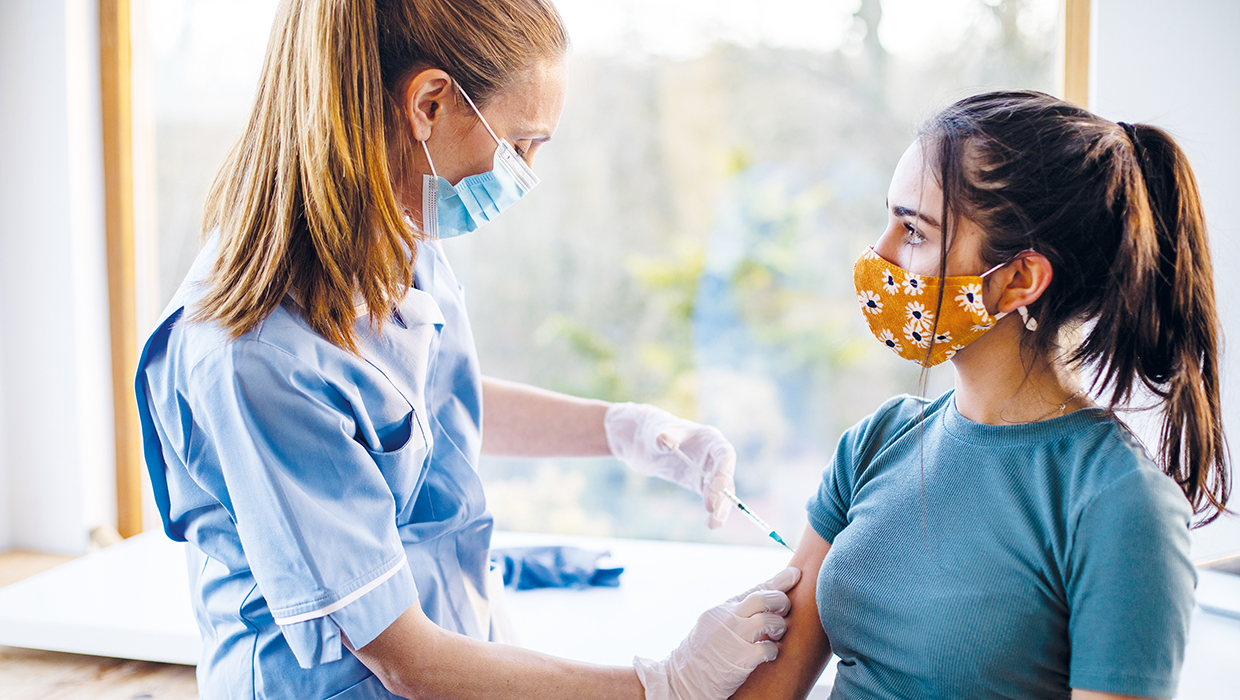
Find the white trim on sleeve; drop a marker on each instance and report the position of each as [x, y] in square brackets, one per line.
[338, 605]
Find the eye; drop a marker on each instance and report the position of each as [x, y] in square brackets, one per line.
[913, 237]
[523, 150]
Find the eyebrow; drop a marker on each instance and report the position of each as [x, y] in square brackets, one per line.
[905, 211]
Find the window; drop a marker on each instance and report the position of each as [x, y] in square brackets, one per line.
[716, 172]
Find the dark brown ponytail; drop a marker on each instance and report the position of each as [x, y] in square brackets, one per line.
[1115, 209]
[1175, 349]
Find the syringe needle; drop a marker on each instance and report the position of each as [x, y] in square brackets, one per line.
[753, 517]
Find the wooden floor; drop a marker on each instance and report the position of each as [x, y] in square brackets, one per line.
[28, 674]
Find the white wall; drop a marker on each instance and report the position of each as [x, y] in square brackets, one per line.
[1176, 64]
[56, 450]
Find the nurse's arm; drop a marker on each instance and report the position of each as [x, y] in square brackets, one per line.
[519, 420]
[805, 649]
[414, 658]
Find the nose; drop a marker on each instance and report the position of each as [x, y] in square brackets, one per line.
[888, 245]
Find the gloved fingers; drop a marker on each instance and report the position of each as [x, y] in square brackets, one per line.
[775, 627]
[718, 506]
[763, 626]
[760, 627]
[783, 581]
[719, 510]
[720, 468]
[716, 458]
[767, 651]
[763, 601]
[671, 437]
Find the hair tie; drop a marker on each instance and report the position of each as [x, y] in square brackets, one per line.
[1131, 130]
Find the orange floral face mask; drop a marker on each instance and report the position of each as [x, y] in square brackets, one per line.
[900, 308]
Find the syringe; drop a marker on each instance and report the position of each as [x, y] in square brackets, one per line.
[770, 531]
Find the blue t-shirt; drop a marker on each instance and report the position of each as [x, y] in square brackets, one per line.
[983, 561]
[324, 493]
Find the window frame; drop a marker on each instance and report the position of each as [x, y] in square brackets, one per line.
[116, 71]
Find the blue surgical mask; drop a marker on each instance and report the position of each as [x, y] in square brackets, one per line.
[449, 211]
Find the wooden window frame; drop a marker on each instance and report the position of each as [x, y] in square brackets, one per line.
[1076, 17]
[115, 74]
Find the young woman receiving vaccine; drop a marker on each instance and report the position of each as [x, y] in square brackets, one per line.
[312, 406]
[1011, 538]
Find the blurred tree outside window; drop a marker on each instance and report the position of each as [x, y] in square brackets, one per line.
[717, 170]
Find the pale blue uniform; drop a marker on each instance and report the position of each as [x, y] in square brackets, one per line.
[323, 492]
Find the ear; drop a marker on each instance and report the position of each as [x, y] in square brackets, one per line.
[427, 95]
[1023, 281]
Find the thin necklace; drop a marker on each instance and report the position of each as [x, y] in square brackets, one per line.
[1058, 409]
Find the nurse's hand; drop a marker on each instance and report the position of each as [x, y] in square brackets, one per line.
[726, 644]
[645, 437]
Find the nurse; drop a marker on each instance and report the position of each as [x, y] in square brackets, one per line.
[311, 401]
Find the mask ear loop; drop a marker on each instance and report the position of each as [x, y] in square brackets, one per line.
[430, 162]
[1030, 322]
[430, 197]
[478, 112]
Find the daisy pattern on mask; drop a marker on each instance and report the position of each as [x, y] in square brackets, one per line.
[886, 338]
[869, 254]
[942, 338]
[870, 302]
[916, 334]
[890, 285]
[970, 299]
[913, 284]
[952, 352]
[917, 313]
[982, 327]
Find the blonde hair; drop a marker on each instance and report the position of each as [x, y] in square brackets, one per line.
[307, 199]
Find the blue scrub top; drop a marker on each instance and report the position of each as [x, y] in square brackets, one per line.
[323, 492]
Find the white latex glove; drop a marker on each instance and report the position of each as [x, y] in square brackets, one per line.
[724, 646]
[644, 437]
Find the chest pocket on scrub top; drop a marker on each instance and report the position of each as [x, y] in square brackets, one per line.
[401, 354]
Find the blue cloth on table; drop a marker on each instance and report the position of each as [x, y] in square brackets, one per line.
[554, 567]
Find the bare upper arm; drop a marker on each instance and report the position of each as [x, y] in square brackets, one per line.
[804, 650]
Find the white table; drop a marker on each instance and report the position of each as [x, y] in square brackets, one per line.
[131, 600]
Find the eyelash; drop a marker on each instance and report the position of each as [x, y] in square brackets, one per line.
[915, 237]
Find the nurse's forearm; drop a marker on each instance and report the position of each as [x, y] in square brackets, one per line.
[416, 659]
[519, 420]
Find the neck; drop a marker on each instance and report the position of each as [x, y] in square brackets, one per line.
[999, 383]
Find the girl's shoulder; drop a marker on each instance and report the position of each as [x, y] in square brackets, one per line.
[1114, 470]
[895, 416]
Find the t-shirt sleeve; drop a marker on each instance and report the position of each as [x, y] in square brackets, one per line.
[314, 514]
[828, 508]
[1130, 587]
